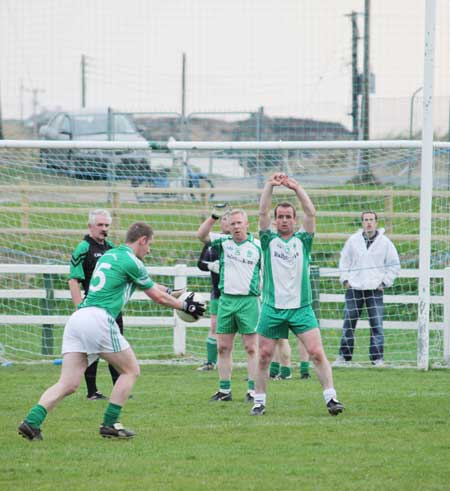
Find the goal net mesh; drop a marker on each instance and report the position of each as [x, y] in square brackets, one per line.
[46, 194]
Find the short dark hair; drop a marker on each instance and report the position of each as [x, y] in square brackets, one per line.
[138, 230]
[369, 212]
[284, 204]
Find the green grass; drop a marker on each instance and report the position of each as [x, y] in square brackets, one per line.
[393, 435]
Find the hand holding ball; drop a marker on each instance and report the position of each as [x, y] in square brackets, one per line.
[193, 307]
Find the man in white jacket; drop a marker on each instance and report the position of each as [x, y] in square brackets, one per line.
[369, 263]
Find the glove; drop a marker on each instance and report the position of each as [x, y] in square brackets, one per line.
[219, 210]
[213, 266]
[175, 293]
[190, 306]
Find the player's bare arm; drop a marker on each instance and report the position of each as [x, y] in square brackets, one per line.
[189, 305]
[266, 199]
[309, 210]
[205, 228]
[173, 293]
[219, 210]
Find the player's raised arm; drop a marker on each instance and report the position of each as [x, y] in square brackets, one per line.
[205, 228]
[219, 210]
[266, 199]
[309, 210]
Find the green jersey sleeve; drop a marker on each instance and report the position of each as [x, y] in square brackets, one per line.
[76, 262]
[217, 244]
[307, 240]
[265, 236]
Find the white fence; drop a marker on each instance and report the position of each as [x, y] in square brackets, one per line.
[179, 275]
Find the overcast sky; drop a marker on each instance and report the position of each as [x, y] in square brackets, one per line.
[290, 56]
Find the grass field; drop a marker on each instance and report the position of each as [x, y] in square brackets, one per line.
[394, 434]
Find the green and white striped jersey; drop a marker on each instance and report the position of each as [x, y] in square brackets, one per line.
[117, 274]
[286, 283]
[240, 265]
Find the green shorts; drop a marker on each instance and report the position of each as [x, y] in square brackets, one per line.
[237, 313]
[213, 306]
[275, 323]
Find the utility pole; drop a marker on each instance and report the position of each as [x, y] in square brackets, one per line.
[366, 73]
[183, 97]
[183, 85]
[83, 81]
[356, 86]
[364, 173]
[21, 95]
[34, 104]
[259, 133]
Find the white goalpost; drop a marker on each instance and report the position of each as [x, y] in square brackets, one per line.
[426, 188]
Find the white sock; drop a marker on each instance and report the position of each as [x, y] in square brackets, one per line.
[260, 399]
[329, 394]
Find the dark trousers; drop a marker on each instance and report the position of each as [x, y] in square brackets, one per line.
[90, 375]
[354, 302]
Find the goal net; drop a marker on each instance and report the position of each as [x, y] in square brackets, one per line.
[48, 188]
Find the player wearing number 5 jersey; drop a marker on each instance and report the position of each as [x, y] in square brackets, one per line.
[92, 332]
[82, 265]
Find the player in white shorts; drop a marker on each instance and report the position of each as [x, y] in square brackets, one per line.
[92, 331]
[287, 295]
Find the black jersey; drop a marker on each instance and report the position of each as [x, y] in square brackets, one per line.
[84, 259]
[210, 254]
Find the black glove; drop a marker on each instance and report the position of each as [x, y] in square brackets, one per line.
[190, 306]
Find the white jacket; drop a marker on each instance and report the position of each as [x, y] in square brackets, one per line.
[366, 269]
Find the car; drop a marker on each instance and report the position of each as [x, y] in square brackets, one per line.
[38, 120]
[94, 164]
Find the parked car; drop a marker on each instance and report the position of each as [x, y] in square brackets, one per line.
[94, 164]
[38, 120]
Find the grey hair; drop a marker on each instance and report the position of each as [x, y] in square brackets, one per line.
[235, 211]
[93, 214]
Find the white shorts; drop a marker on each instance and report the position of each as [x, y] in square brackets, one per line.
[92, 331]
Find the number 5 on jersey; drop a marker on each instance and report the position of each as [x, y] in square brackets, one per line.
[100, 276]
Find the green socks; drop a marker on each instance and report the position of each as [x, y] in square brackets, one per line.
[36, 416]
[286, 372]
[278, 370]
[211, 350]
[304, 367]
[112, 414]
[274, 369]
[251, 385]
[225, 386]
